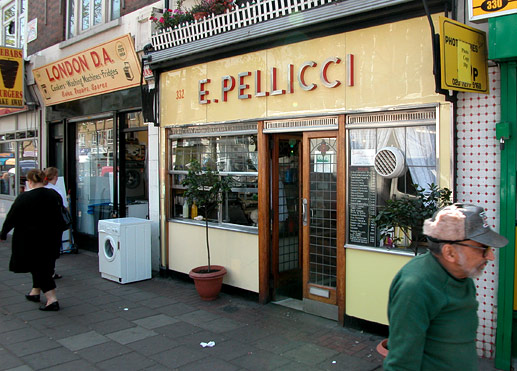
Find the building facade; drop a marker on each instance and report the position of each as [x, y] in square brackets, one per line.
[296, 114]
[83, 67]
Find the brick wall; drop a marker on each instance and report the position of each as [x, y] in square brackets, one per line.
[132, 5]
[50, 30]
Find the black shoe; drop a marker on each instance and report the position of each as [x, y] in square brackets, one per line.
[57, 276]
[54, 307]
[34, 298]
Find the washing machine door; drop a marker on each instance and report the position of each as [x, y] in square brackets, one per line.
[109, 248]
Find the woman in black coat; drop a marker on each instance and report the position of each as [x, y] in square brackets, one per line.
[36, 218]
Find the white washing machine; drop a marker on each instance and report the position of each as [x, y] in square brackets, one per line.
[125, 249]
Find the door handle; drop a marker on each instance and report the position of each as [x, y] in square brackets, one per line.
[304, 211]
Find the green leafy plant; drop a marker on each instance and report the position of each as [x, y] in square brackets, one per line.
[409, 212]
[204, 187]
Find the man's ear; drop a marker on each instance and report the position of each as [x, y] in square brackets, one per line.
[449, 253]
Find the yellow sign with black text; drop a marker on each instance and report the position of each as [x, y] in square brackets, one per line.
[463, 56]
[105, 68]
[483, 9]
[11, 70]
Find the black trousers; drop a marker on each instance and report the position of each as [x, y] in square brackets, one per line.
[42, 277]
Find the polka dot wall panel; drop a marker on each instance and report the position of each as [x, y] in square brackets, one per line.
[477, 178]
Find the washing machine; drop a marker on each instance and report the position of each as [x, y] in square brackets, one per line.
[125, 249]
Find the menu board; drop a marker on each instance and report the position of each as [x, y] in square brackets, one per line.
[362, 199]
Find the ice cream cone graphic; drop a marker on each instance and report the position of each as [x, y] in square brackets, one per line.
[9, 70]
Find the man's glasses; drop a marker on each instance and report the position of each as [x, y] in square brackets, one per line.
[486, 249]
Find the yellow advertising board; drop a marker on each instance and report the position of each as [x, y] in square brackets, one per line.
[102, 69]
[464, 58]
[483, 9]
[11, 70]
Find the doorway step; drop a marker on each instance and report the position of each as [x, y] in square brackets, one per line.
[290, 303]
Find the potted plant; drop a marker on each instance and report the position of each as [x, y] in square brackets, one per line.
[408, 213]
[204, 188]
[171, 17]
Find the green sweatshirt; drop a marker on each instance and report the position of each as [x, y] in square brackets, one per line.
[433, 319]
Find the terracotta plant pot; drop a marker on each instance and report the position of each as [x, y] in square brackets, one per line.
[200, 15]
[382, 348]
[208, 285]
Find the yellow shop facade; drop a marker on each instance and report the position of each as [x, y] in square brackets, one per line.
[299, 126]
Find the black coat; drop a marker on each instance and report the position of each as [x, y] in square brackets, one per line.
[36, 218]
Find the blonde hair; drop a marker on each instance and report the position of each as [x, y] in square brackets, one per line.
[36, 176]
[51, 173]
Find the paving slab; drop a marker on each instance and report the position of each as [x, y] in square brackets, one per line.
[261, 360]
[178, 329]
[81, 341]
[156, 321]
[103, 352]
[8, 361]
[130, 335]
[21, 334]
[111, 325]
[212, 364]
[127, 362]
[310, 354]
[50, 358]
[32, 346]
[177, 357]
[152, 345]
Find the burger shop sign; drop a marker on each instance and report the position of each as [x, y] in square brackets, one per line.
[280, 84]
[105, 68]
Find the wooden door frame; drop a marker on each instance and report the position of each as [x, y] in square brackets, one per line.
[275, 178]
[264, 235]
[307, 136]
[264, 215]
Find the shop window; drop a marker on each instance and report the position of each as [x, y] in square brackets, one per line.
[84, 15]
[413, 141]
[232, 156]
[16, 159]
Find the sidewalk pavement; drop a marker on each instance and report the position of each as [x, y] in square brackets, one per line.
[159, 324]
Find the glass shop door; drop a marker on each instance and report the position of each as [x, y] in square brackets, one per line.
[93, 199]
[319, 226]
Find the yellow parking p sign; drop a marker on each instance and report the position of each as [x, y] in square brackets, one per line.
[463, 55]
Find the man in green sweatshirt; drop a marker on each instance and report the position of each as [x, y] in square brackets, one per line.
[432, 307]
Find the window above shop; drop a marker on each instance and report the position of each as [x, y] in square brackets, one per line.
[85, 15]
[234, 156]
[13, 23]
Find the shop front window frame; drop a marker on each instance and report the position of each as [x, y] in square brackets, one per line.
[415, 134]
[213, 150]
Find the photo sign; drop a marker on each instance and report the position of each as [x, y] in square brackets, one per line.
[11, 70]
[102, 69]
[464, 57]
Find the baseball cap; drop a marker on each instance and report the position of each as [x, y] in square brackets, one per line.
[460, 222]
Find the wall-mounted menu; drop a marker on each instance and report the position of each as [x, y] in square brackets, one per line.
[362, 199]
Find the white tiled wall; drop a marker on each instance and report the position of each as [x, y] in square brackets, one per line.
[478, 171]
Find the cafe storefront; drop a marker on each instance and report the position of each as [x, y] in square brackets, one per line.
[96, 133]
[297, 126]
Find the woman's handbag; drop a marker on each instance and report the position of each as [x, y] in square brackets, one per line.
[67, 218]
